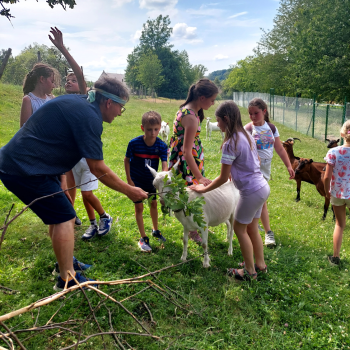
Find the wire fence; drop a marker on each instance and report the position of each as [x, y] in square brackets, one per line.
[318, 120]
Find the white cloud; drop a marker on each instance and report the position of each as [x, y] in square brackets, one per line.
[220, 57]
[183, 31]
[238, 14]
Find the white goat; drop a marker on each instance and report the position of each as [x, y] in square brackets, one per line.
[164, 131]
[219, 207]
[213, 127]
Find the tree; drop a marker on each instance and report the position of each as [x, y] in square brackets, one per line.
[156, 34]
[131, 71]
[199, 71]
[149, 71]
[6, 11]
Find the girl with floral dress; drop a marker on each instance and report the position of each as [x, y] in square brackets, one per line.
[185, 144]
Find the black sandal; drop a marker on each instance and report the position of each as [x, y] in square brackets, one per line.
[246, 276]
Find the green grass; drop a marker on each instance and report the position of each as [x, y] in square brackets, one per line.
[301, 303]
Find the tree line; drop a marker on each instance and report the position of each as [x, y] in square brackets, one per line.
[154, 64]
[306, 53]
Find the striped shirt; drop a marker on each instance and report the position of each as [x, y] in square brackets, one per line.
[55, 138]
[141, 155]
[37, 101]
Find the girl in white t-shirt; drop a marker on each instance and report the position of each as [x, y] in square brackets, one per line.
[266, 137]
[337, 187]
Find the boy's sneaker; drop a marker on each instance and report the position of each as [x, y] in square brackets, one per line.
[157, 234]
[81, 279]
[77, 221]
[90, 232]
[105, 225]
[144, 244]
[270, 239]
[78, 266]
[335, 261]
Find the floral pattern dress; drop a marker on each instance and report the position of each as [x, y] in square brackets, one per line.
[176, 148]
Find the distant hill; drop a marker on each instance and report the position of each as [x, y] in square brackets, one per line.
[221, 74]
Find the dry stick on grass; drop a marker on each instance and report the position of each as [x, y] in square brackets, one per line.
[112, 329]
[6, 224]
[91, 309]
[13, 336]
[149, 312]
[5, 339]
[9, 289]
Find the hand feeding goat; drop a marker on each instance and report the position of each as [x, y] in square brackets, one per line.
[300, 176]
[164, 131]
[307, 166]
[219, 207]
[213, 127]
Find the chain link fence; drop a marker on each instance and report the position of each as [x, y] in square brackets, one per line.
[321, 121]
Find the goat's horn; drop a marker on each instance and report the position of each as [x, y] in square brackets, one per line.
[176, 164]
[153, 172]
[295, 138]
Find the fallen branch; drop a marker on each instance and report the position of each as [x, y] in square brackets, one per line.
[11, 334]
[9, 289]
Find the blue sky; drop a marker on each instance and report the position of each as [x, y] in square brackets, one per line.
[100, 34]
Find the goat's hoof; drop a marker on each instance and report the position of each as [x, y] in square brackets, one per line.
[206, 265]
[183, 258]
[230, 253]
[297, 200]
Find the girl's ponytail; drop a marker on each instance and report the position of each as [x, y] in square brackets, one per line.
[39, 70]
[203, 87]
[258, 102]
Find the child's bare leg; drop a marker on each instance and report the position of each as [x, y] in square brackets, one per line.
[340, 217]
[265, 220]
[246, 246]
[71, 183]
[154, 214]
[89, 209]
[139, 218]
[257, 242]
[93, 201]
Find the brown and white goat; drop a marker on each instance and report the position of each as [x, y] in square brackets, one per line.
[294, 161]
[307, 166]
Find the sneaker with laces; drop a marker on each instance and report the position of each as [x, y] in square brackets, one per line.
[270, 239]
[195, 236]
[77, 221]
[157, 234]
[81, 279]
[78, 266]
[335, 261]
[105, 225]
[144, 244]
[90, 232]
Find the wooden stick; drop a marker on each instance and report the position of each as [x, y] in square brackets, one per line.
[13, 336]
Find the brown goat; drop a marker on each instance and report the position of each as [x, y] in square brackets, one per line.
[332, 143]
[307, 166]
[294, 161]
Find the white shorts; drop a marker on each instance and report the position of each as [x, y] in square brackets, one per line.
[82, 174]
[338, 202]
[265, 168]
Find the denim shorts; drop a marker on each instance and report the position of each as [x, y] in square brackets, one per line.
[52, 210]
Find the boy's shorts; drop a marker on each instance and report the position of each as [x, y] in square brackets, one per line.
[150, 189]
[52, 210]
[82, 174]
[338, 202]
[265, 168]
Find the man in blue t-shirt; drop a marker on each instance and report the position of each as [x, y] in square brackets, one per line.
[51, 142]
[146, 150]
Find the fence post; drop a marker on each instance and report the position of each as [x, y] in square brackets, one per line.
[326, 130]
[343, 118]
[273, 104]
[284, 105]
[270, 100]
[313, 116]
[296, 111]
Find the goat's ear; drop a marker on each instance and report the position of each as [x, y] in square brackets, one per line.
[176, 165]
[338, 140]
[311, 160]
[153, 172]
[327, 140]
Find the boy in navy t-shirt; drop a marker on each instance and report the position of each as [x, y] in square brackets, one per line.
[146, 150]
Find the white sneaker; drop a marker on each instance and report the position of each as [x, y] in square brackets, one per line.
[270, 239]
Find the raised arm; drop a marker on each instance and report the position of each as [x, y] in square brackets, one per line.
[57, 40]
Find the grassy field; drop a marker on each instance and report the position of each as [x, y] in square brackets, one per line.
[302, 303]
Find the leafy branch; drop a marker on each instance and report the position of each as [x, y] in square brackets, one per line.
[177, 199]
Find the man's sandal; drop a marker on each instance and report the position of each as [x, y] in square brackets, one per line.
[246, 276]
[257, 269]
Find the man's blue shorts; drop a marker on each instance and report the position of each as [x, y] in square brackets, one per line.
[52, 210]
